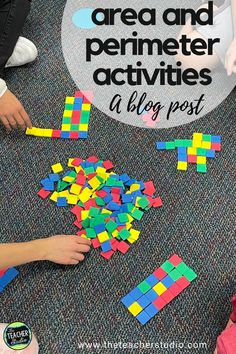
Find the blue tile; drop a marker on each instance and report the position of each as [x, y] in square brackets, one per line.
[99, 228]
[167, 281]
[152, 280]
[210, 154]
[106, 246]
[136, 293]
[151, 295]
[54, 177]
[127, 300]
[216, 139]
[144, 301]
[61, 201]
[7, 278]
[151, 310]
[161, 146]
[143, 317]
[65, 135]
[83, 135]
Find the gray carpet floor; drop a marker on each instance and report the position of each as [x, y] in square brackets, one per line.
[66, 306]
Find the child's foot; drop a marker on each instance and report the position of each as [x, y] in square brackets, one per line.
[25, 52]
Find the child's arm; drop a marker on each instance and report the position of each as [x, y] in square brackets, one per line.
[61, 249]
[230, 58]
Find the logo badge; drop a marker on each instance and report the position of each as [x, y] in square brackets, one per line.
[17, 336]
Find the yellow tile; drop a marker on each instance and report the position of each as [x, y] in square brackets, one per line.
[68, 179]
[130, 218]
[69, 164]
[134, 187]
[84, 214]
[192, 151]
[72, 199]
[65, 127]
[201, 160]
[75, 189]
[63, 194]
[131, 240]
[197, 143]
[134, 234]
[54, 196]
[57, 167]
[135, 309]
[67, 114]
[103, 236]
[47, 133]
[197, 136]
[86, 107]
[30, 131]
[94, 182]
[206, 145]
[100, 170]
[106, 211]
[70, 100]
[83, 127]
[85, 195]
[182, 166]
[159, 288]
[115, 233]
[40, 132]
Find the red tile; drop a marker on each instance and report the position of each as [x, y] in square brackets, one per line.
[2, 272]
[56, 133]
[76, 114]
[77, 161]
[216, 146]
[159, 303]
[183, 283]
[160, 273]
[175, 260]
[192, 159]
[175, 289]
[43, 194]
[74, 135]
[123, 247]
[167, 296]
[107, 255]
[95, 243]
[93, 159]
[108, 164]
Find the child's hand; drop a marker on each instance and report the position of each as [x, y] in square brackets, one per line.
[230, 59]
[12, 113]
[63, 249]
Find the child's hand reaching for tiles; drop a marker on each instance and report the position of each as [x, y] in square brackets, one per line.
[67, 250]
[12, 113]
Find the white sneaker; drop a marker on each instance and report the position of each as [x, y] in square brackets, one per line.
[24, 52]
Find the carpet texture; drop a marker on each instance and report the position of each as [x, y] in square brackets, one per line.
[66, 306]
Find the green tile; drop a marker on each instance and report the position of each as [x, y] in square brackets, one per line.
[201, 152]
[90, 233]
[99, 201]
[74, 127]
[144, 287]
[201, 168]
[111, 226]
[187, 143]
[175, 275]
[94, 211]
[66, 120]
[190, 275]
[182, 268]
[167, 266]
[206, 137]
[84, 114]
[143, 202]
[123, 217]
[69, 107]
[137, 214]
[124, 234]
[84, 120]
[170, 145]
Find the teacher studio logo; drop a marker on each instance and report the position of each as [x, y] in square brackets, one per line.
[17, 336]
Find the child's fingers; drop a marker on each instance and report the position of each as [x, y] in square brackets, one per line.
[83, 248]
[230, 64]
[6, 123]
[20, 121]
[83, 241]
[12, 122]
[78, 257]
[73, 262]
[26, 118]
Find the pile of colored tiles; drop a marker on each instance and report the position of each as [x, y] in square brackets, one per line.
[158, 289]
[105, 203]
[6, 277]
[75, 119]
[195, 151]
